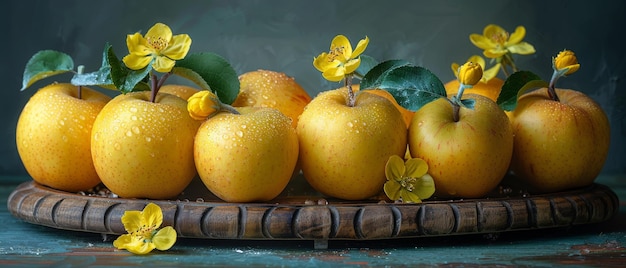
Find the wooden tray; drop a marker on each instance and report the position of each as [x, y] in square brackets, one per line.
[311, 217]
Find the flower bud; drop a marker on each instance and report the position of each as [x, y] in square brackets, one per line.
[566, 59]
[470, 73]
[202, 104]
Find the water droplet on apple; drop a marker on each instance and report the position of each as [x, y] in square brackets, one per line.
[350, 124]
[129, 133]
[265, 97]
[244, 126]
[135, 130]
[133, 109]
[61, 122]
[148, 139]
[239, 133]
[134, 118]
[117, 146]
[64, 138]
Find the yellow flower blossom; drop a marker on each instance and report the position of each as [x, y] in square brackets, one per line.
[158, 45]
[470, 73]
[202, 104]
[496, 42]
[341, 60]
[144, 233]
[488, 74]
[408, 181]
[566, 59]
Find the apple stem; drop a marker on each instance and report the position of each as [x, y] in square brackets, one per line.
[155, 85]
[351, 97]
[551, 91]
[456, 109]
[80, 70]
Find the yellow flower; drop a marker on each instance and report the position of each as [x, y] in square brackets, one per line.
[158, 44]
[341, 59]
[202, 104]
[470, 73]
[408, 180]
[566, 59]
[496, 42]
[487, 74]
[143, 230]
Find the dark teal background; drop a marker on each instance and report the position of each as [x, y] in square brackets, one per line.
[285, 36]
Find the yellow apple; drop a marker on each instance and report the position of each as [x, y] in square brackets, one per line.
[407, 115]
[263, 88]
[491, 89]
[246, 157]
[559, 145]
[343, 149]
[143, 149]
[181, 91]
[466, 158]
[53, 136]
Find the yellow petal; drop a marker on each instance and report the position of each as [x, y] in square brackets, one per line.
[360, 47]
[455, 69]
[415, 168]
[481, 41]
[134, 62]
[178, 47]
[352, 65]
[160, 31]
[522, 48]
[137, 45]
[334, 74]
[165, 238]
[163, 64]
[492, 30]
[517, 36]
[491, 73]
[494, 53]
[424, 187]
[132, 220]
[394, 169]
[343, 44]
[323, 63]
[478, 59]
[409, 197]
[392, 189]
[134, 244]
[153, 215]
[470, 73]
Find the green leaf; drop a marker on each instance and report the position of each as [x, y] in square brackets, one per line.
[125, 79]
[101, 77]
[411, 86]
[516, 85]
[44, 64]
[214, 70]
[191, 75]
[367, 63]
[374, 76]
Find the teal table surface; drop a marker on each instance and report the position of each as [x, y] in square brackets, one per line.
[591, 245]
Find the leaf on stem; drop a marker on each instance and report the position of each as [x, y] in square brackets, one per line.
[515, 86]
[411, 86]
[210, 71]
[44, 64]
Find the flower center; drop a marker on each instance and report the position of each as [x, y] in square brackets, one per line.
[408, 183]
[157, 42]
[500, 37]
[335, 52]
[145, 232]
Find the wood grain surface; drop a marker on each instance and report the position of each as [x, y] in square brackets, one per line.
[295, 218]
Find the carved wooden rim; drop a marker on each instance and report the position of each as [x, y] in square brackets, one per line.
[40, 205]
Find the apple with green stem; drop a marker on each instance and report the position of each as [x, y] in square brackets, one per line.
[54, 128]
[562, 136]
[467, 141]
[345, 137]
